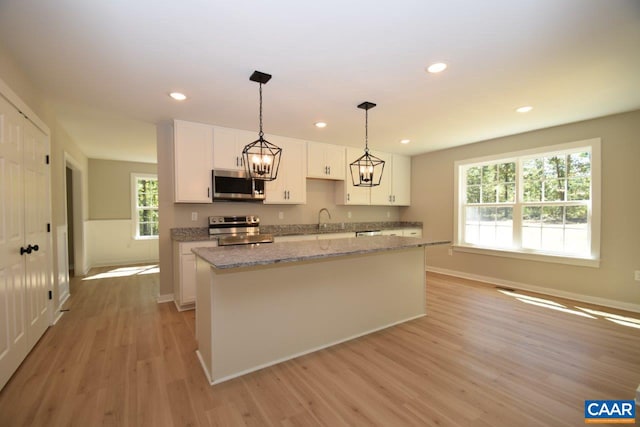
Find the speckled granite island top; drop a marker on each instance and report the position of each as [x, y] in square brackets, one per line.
[271, 253]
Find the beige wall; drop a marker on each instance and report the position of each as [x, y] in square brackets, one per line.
[13, 76]
[432, 196]
[320, 194]
[61, 143]
[110, 187]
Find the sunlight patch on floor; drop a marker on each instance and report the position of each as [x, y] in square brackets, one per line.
[581, 311]
[125, 271]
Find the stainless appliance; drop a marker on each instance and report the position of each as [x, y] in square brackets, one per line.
[236, 186]
[368, 233]
[237, 230]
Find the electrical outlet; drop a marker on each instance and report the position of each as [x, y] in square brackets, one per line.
[450, 251]
[349, 214]
[388, 214]
[637, 276]
[194, 216]
[280, 215]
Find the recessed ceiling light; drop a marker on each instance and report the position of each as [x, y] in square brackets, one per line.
[178, 96]
[437, 67]
[524, 109]
[405, 141]
[321, 124]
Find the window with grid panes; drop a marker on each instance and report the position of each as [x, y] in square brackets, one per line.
[535, 202]
[145, 206]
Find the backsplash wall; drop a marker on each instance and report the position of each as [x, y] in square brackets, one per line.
[320, 194]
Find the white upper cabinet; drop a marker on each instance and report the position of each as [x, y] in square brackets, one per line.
[381, 194]
[228, 145]
[346, 193]
[401, 180]
[290, 187]
[325, 161]
[193, 157]
[394, 188]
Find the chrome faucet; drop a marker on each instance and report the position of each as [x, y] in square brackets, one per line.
[320, 213]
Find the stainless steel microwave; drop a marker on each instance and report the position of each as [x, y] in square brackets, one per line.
[233, 185]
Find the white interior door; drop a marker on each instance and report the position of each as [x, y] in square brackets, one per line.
[25, 254]
[13, 331]
[36, 196]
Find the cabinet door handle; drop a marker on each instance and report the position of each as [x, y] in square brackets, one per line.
[26, 250]
[329, 169]
[348, 197]
[35, 248]
[208, 192]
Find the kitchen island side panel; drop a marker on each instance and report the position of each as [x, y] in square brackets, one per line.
[266, 314]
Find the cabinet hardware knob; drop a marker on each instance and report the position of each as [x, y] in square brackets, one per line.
[35, 248]
[26, 250]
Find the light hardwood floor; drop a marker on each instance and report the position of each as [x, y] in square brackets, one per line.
[479, 358]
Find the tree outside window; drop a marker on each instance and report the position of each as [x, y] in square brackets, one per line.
[535, 202]
[145, 202]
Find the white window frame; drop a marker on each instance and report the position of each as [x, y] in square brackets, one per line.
[590, 260]
[134, 204]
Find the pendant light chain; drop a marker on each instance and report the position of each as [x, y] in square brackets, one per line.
[261, 134]
[366, 131]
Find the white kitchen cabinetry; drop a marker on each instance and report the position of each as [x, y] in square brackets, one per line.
[193, 157]
[184, 272]
[228, 145]
[395, 186]
[412, 232]
[325, 161]
[400, 180]
[346, 193]
[290, 187]
[381, 194]
[344, 235]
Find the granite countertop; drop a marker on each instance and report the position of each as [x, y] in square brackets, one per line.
[195, 234]
[270, 253]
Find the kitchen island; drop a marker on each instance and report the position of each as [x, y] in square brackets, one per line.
[258, 305]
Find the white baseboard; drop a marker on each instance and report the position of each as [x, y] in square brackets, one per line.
[539, 289]
[164, 298]
[190, 306]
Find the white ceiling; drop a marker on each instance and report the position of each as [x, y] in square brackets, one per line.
[107, 67]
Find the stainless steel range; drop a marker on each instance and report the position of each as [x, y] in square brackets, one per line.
[237, 230]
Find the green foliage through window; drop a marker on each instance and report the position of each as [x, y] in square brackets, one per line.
[551, 193]
[146, 199]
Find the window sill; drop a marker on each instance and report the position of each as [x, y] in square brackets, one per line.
[582, 262]
[145, 237]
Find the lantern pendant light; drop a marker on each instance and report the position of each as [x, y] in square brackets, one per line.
[261, 158]
[366, 170]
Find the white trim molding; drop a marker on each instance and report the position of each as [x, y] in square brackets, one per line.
[538, 289]
[161, 299]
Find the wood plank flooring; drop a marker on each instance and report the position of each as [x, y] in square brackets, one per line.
[479, 358]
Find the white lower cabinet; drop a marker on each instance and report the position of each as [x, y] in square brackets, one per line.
[404, 232]
[412, 232]
[184, 273]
